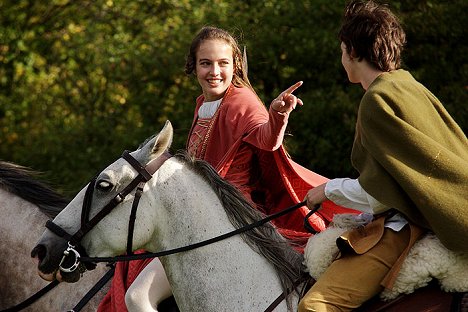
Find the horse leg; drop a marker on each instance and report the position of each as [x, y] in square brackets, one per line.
[149, 289]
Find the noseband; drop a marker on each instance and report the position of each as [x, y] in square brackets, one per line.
[74, 246]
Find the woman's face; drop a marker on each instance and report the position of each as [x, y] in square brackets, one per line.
[214, 68]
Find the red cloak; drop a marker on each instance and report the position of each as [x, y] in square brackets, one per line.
[243, 119]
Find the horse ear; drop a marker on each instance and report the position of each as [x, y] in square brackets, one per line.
[163, 140]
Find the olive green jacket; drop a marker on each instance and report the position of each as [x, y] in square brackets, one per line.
[412, 156]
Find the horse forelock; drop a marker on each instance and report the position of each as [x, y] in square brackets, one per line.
[22, 182]
[265, 239]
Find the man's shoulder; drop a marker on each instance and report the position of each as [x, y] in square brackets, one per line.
[391, 86]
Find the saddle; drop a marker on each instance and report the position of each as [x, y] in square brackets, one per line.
[428, 299]
[432, 278]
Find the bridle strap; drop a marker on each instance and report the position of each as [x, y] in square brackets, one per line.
[87, 201]
[86, 226]
[57, 230]
[307, 224]
[26, 303]
[146, 176]
[93, 291]
[283, 296]
[275, 303]
[147, 172]
[131, 221]
[107, 209]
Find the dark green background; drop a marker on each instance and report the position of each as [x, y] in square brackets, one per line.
[80, 81]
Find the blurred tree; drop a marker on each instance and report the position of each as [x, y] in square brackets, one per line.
[80, 81]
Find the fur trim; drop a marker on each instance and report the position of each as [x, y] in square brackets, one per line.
[427, 259]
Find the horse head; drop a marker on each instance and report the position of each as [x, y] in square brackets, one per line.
[96, 221]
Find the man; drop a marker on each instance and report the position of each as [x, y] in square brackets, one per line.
[412, 160]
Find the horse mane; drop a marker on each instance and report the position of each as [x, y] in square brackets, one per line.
[21, 181]
[265, 239]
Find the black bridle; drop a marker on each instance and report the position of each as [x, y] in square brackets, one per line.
[74, 248]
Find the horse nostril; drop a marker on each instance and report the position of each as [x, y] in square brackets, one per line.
[40, 252]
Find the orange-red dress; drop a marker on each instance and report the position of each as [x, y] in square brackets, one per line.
[243, 141]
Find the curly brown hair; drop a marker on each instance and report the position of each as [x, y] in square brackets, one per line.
[372, 32]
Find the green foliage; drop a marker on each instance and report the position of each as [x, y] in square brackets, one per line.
[80, 81]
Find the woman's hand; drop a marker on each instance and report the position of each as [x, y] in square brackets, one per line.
[315, 196]
[286, 102]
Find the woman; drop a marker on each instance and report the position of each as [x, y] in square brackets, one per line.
[234, 132]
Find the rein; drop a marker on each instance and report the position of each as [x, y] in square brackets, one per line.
[26, 303]
[243, 229]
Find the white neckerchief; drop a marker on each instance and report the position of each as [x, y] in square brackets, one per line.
[208, 109]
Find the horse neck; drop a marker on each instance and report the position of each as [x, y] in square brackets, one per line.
[20, 218]
[192, 213]
[20, 223]
[187, 199]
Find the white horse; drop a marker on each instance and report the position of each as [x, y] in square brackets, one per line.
[184, 202]
[25, 206]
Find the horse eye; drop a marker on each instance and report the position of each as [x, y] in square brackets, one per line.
[104, 186]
